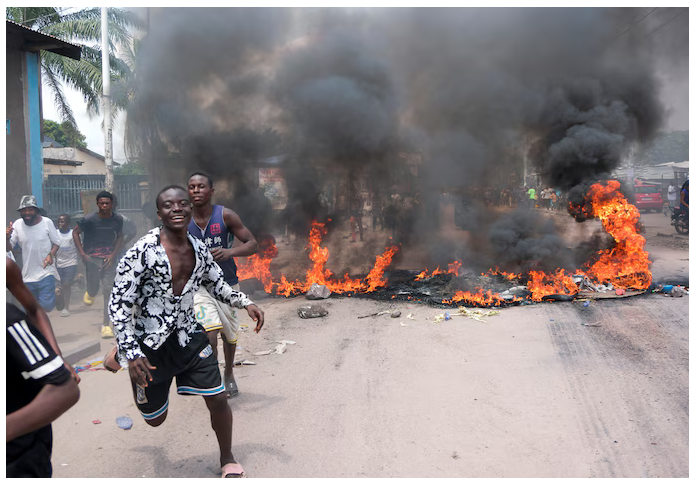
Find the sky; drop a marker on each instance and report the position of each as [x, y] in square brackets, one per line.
[89, 127]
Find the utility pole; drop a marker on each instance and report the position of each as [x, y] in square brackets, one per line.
[105, 100]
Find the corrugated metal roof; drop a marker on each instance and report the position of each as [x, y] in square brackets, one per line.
[62, 47]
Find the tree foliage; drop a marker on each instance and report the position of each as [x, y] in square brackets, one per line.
[131, 167]
[81, 26]
[667, 147]
[64, 133]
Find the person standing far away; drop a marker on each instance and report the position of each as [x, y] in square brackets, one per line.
[66, 263]
[102, 240]
[217, 226]
[158, 336]
[672, 195]
[38, 239]
[532, 197]
[41, 388]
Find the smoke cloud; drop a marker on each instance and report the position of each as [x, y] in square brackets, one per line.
[341, 93]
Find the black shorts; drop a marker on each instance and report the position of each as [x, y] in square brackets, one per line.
[194, 367]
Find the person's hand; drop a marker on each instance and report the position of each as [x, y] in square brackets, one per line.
[221, 254]
[140, 371]
[8, 231]
[73, 372]
[256, 314]
[109, 260]
[48, 260]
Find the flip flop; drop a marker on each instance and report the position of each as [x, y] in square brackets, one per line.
[233, 469]
[232, 389]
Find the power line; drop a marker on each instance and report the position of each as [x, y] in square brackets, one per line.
[635, 23]
[661, 26]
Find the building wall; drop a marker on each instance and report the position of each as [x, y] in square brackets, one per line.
[17, 158]
[49, 169]
[91, 164]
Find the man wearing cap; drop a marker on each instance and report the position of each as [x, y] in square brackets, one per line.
[37, 237]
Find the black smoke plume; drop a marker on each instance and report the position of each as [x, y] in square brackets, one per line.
[340, 94]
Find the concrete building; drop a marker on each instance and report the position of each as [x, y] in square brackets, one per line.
[24, 152]
[63, 160]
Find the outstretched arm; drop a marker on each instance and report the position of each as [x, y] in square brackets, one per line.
[123, 297]
[37, 316]
[214, 282]
[51, 402]
[235, 226]
[28, 352]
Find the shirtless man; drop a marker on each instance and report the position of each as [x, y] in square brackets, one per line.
[217, 226]
[158, 277]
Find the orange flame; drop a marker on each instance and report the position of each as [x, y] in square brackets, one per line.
[482, 298]
[319, 274]
[542, 284]
[626, 265]
[498, 272]
[452, 268]
[258, 265]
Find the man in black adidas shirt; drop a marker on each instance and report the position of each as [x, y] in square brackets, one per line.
[39, 390]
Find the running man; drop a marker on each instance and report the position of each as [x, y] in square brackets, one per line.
[38, 239]
[102, 240]
[217, 226]
[158, 278]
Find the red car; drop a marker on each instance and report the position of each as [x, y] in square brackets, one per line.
[648, 197]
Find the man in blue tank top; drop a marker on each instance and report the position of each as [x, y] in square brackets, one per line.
[217, 226]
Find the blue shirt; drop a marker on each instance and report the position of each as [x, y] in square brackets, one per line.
[215, 235]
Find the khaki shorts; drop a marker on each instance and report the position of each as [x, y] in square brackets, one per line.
[215, 315]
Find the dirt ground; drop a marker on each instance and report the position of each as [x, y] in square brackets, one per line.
[532, 392]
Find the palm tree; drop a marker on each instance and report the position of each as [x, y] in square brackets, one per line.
[82, 27]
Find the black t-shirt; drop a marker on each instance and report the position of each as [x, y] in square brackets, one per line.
[100, 233]
[31, 364]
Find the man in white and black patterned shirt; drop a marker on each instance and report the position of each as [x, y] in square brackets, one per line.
[158, 337]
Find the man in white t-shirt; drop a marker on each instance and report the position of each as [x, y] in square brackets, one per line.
[66, 262]
[672, 195]
[37, 237]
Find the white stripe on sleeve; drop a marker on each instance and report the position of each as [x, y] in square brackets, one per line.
[37, 342]
[44, 369]
[27, 341]
[21, 343]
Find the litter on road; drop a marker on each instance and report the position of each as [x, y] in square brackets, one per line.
[125, 423]
[311, 311]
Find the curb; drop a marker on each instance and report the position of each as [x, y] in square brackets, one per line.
[81, 352]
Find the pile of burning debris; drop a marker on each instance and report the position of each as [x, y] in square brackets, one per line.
[624, 267]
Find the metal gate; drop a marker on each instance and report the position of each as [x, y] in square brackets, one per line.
[62, 194]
